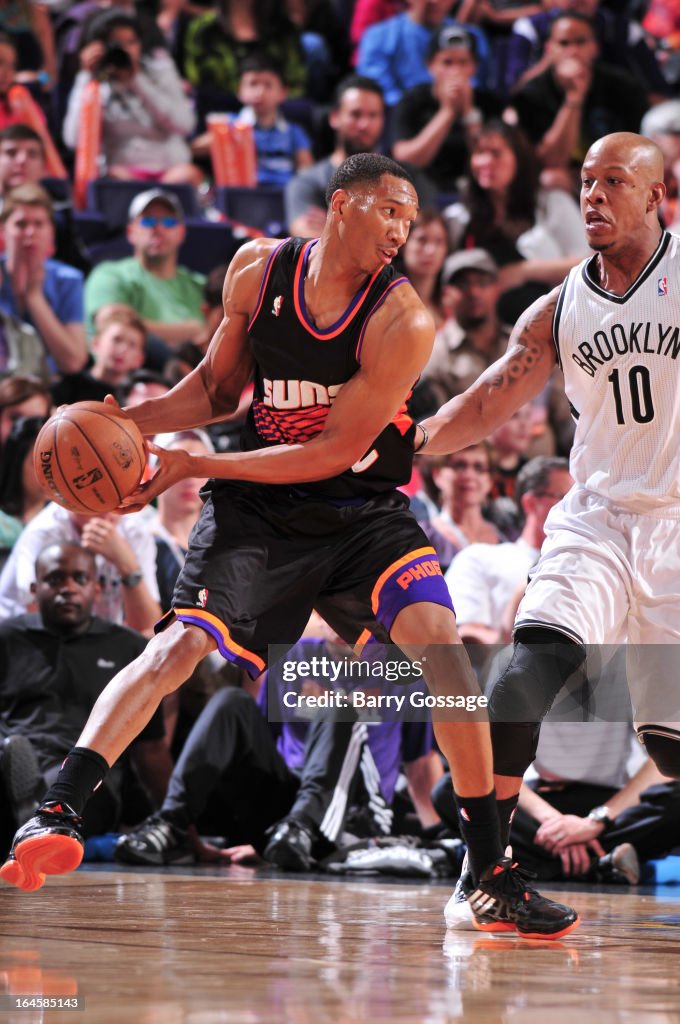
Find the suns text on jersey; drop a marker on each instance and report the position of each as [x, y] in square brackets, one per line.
[297, 394]
[619, 339]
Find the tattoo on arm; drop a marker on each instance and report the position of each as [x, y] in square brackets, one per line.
[528, 350]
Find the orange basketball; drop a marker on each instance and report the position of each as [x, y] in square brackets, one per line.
[88, 457]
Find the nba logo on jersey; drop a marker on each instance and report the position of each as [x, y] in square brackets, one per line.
[464, 814]
[202, 597]
[662, 286]
[276, 307]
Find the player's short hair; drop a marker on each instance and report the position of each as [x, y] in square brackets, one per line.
[21, 133]
[534, 477]
[364, 169]
[27, 195]
[362, 82]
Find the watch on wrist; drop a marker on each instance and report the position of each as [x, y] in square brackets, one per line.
[602, 815]
[133, 579]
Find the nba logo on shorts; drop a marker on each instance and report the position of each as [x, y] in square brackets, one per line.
[662, 286]
[202, 597]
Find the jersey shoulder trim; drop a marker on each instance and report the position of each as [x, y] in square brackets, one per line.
[557, 315]
[374, 309]
[265, 280]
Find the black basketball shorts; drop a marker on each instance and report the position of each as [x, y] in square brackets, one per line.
[261, 557]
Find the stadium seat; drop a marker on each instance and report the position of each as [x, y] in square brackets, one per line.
[261, 207]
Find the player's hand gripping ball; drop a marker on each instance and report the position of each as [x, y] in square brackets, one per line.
[89, 456]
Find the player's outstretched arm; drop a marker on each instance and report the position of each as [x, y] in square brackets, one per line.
[511, 381]
[212, 391]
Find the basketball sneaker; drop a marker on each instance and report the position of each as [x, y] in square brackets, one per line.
[50, 843]
[458, 912]
[289, 846]
[156, 841]
[503, 896]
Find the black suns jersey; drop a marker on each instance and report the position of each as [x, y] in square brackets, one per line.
[299, 371]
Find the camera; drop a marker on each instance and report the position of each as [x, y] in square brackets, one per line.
[116, 58]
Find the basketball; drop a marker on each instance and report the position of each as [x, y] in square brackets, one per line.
[88, 457]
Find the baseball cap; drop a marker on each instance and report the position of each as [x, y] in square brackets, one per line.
[663, 119]
[468, 259]
[449, 38]
[155, 195]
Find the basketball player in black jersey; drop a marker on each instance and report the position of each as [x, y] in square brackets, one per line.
[308, 515]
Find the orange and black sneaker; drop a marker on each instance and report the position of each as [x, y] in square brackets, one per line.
[504, 895]
[50, 843]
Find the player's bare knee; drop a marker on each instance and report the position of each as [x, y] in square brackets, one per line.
[172, 656]
[662, 743]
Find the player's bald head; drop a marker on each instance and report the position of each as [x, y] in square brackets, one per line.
[626, 149]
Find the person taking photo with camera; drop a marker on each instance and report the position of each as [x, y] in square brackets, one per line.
[146, 116]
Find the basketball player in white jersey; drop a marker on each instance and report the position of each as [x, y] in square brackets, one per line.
[610, 565]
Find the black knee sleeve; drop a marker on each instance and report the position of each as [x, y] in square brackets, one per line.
[663, 746]
[543, 660]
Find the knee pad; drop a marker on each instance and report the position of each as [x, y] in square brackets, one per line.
[663, 746]
[543, 660]
[514, 746]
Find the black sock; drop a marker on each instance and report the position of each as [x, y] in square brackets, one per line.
[81, 773]
[506, 809]
[479, 828]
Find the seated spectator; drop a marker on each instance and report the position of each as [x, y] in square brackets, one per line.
[421, 259]
[472, 337]
[534, 234]
[577, 99]
[509, 444]
[662, 124]
[126, 564]
[22, 162]
[272, 781]
[54, 663]
[464, 484]
[178, 509]
[218, 41]
[281, 147]
[44, 292]
[621, 43]
[146, 115]
[394, 52]
[166, 297]
[30, 29]
[357, 118]
[117, 350]
[21, 497]
[437, 122]
[20, 396]
[485, 577]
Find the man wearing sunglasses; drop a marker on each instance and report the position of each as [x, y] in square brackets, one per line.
[164, 294]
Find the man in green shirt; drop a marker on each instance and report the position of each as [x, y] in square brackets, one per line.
[167, 297]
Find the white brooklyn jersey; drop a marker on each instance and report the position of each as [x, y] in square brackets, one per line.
[621, 360]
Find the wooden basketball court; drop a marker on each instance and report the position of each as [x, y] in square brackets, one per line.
[231, 946]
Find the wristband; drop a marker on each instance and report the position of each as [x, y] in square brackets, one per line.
[426, 438]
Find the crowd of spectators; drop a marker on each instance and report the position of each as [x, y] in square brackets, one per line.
[117, 290]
